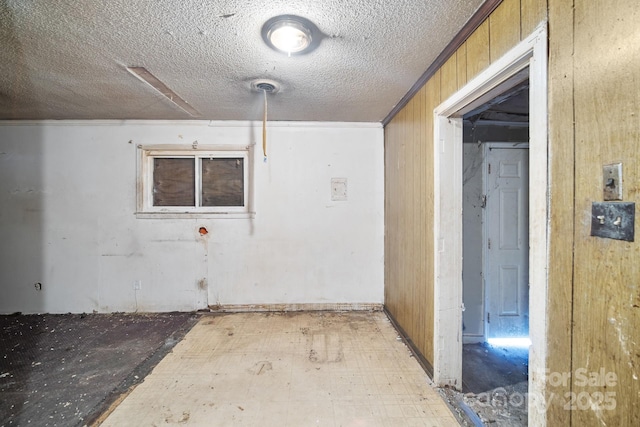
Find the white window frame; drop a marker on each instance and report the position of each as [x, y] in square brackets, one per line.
[146, 156]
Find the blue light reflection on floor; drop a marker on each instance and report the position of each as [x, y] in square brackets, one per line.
[510, 342]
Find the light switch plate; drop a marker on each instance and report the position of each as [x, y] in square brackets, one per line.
[612, 182]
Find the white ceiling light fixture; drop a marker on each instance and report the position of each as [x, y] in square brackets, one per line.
[291, 34]
[290, 37]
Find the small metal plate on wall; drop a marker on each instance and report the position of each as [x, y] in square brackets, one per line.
[613, 220]
[612, 182]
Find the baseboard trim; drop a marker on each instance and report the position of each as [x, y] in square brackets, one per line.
[240, 308]
[472, 339]
[426, 365]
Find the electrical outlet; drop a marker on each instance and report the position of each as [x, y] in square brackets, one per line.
[137, 285]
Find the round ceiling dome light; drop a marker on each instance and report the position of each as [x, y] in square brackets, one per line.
[290, 34]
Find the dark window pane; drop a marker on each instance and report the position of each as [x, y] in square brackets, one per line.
[174, 182]
[223, 182]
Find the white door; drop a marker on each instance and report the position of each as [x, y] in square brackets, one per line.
[507, 242]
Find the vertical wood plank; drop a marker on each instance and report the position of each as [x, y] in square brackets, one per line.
[409, 234]
[404, 218]
[461, 63]
[478, 51]
[400, 190]
[389, 214]
[504, 28]
[394, 225]
[532, 13]
[561, 154]
[448, 78]
[421, 297]
[606, 272]
[413, 238]
[432, 101]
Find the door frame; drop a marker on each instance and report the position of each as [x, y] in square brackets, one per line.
[528, 59]
[486, 147]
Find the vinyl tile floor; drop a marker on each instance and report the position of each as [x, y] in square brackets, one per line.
[287, 369]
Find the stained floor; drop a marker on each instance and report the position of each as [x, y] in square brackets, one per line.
[287, 369]
[65, 370]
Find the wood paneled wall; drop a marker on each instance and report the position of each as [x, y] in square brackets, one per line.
[593, 305]
[606, 286]
[409, 169]
[593, 314]
[408, 207]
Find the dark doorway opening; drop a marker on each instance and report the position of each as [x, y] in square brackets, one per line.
[494, 377]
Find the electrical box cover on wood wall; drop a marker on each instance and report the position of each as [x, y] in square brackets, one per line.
[613, 220]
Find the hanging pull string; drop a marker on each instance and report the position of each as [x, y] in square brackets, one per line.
[264, 127]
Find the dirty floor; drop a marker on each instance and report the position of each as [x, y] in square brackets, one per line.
[287, 369]
[494, 381]
[486, 367]
[64, 370]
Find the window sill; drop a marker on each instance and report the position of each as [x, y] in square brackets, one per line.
[195, 215]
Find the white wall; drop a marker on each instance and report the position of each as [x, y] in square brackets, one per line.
[68, 198]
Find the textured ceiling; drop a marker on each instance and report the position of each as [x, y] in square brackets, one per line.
[68, 59]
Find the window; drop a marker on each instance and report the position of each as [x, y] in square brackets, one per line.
[184, 182]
